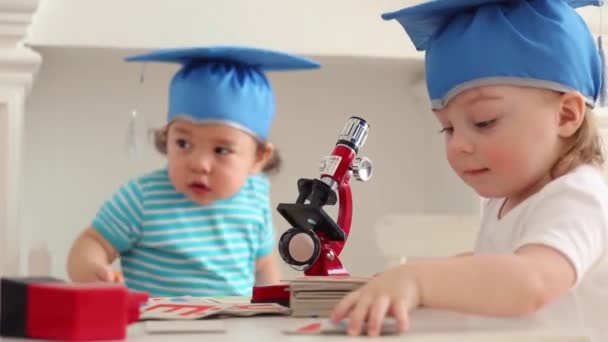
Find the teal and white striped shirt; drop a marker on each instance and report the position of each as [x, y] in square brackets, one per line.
[171, 246]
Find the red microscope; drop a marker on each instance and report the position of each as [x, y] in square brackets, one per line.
[315, 240]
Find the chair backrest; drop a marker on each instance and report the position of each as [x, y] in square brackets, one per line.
[407, 236]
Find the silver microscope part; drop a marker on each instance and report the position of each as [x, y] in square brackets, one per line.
[362, 169]
[355, 131]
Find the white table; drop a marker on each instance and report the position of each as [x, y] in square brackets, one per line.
[427, 326]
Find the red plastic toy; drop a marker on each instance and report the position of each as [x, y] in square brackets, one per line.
[48, 308]
[315, 241]
[326, 239]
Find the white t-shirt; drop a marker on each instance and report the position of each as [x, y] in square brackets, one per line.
[569, 214]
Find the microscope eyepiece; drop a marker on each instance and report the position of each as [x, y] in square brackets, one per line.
[354, 133]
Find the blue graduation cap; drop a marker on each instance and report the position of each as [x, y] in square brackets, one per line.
[225, 84]
[469, 43]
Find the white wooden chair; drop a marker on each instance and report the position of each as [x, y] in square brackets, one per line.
[409, 236]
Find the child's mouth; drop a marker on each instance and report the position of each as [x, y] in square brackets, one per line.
[198, 187]
[476, 172]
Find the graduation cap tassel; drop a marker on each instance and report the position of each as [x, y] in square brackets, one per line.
[603, 96]
[135, 126]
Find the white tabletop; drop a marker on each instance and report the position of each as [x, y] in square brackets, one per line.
[426, 326]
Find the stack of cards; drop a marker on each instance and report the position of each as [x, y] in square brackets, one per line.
[316, 296]
[191, 308]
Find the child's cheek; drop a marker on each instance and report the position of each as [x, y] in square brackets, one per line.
[502, 158]
[177, 172]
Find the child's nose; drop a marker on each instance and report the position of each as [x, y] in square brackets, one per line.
[201, 163]
[461, 143]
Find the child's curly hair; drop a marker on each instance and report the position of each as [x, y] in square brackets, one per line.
[585, 147]
[272, 166]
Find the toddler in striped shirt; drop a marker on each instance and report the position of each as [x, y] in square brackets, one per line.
[201, 226]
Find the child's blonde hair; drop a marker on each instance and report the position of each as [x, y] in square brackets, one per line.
[272, 166]
[585, 147]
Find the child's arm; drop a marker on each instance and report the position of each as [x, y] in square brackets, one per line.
[498, 285]
[464, 254]
[267, 270]
[90, 258]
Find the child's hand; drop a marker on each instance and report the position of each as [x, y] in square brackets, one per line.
[104, 273]
[395, 292]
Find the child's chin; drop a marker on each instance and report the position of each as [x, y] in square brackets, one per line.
[207, 198]
[488, 193]
[202, 199]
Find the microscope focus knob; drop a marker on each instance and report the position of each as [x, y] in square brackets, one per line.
[362, 169]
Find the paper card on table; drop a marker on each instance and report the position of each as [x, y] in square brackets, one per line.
[308, 328]
[389, 327]
[192, 308]
[230, 300]
[256, 309]
[178, 311]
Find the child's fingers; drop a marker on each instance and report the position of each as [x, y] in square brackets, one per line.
[377, 312]
[117, 277]
[359, 315]
[104, 274]
[342, 309]
[400, 311]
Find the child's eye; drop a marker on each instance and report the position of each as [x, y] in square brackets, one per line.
[183, 144]
[447, 130]
[485, 124]
[222, 150]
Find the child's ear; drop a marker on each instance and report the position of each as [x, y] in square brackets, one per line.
[263, 154]
[572, 113]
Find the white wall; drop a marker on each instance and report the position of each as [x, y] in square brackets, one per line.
[76, 156]
[319, 27]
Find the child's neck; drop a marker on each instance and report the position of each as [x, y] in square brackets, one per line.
[516, 199]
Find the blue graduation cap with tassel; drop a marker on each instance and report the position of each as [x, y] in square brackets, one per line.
[225, 84]
[538, 43]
